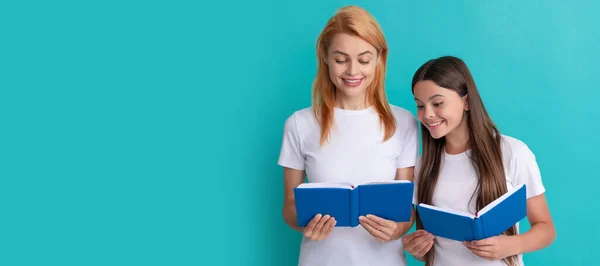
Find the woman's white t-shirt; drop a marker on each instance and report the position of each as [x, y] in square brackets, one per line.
[457, 183]
[355, 153]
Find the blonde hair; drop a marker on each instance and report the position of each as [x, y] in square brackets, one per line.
[358, 22]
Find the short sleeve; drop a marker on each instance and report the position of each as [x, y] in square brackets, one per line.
[291, 154]
[409, 146]
[524, 170]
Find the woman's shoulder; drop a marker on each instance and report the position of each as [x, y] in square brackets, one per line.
[301, 114]
[301, 119]
[401, 113]
[404, 118]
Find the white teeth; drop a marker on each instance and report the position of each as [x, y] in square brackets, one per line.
[352, 80]
[435, 124]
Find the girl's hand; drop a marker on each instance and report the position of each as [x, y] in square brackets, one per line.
[493, 248]
[418, 243]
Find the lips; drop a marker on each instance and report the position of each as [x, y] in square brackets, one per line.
[434, 124]
[353, 82]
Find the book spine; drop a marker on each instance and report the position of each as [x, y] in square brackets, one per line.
[354, 206]
[477, 227]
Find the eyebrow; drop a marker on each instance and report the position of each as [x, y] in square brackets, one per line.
[431, 98]
[363, 53]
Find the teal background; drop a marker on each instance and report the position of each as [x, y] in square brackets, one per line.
[147, 133]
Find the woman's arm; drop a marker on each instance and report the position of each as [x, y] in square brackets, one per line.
[387, 230]
[403, 227]
[291, 179]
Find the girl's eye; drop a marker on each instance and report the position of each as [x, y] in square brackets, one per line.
[419, 106]
[438, 104]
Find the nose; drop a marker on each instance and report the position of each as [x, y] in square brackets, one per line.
[428, 112]
[353, 68]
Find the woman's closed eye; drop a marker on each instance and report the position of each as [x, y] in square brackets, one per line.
[438, 104]
[361, 62]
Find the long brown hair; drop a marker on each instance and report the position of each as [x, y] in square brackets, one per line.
[355, 21]
[484, 139]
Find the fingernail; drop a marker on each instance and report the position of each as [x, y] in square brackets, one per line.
[361, 217]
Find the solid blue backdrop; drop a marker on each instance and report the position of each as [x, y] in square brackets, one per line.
[147, 132]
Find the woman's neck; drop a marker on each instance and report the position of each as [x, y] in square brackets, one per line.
[354, 103]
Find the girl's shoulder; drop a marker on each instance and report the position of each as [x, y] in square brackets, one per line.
[511, 147]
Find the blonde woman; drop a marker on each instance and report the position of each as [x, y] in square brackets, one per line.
[351, 134]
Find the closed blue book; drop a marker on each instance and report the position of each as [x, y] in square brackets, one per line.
[493, 220]
[391, 200]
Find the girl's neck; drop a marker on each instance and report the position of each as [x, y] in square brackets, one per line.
[457, 141]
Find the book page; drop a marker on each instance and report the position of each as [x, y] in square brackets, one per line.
[447, 210]
[326, 185]
[385, 182]
[498, 200]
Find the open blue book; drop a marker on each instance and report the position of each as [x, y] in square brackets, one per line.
[493, 220]
[391, 200]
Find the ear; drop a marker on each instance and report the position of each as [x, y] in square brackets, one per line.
[466, 102]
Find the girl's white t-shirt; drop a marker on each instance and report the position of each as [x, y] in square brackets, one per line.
[457, 183]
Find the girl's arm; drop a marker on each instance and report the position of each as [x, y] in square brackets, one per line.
[542, 232]
[523, 167]
[540, 235]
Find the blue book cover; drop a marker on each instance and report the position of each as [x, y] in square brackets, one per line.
[390, 200]
[493, 220]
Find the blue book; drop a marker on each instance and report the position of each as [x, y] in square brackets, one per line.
[391, 200]
[493, 220]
